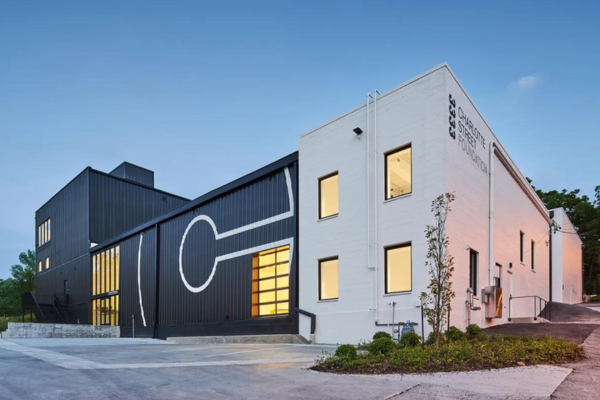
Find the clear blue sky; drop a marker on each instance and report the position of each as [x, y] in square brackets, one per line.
[204, 92]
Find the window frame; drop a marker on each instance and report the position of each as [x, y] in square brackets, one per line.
[275, 278]
[522, 246]
[47, 262]
[321, 179]
[532, 255]
[44, 233]
[385, 170]
[385, 267]
[322, 260]
[473, 278]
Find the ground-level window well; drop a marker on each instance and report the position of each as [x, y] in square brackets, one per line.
[271, 282]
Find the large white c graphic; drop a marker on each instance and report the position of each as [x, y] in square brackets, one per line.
[252, 250]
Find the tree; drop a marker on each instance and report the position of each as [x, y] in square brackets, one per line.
[585, 216]
[436, 303]
[24, 275]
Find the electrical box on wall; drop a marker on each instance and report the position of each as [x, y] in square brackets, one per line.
[492, 298]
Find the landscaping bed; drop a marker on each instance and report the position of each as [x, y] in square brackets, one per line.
[462, 353]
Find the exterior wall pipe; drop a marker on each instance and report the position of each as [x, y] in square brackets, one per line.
[376, 198]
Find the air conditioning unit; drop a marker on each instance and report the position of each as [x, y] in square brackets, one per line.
[492, 298]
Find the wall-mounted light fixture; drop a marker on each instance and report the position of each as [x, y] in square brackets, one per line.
[357, 130]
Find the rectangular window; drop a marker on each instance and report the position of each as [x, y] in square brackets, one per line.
[47, 262]
[473, 270]
[44, 233]
[105, 311]
[40, 266]
[328, 196]
[105, 271]
[522, 250]
[398, 172]
[532, 254]
[271, 282]
[328, 279]
[398, 269]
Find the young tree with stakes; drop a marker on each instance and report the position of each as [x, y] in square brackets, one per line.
[436, 303]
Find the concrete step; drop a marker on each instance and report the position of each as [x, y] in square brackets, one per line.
[247, 339]
[528, 320]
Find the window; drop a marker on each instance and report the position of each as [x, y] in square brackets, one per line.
[40, 266]
[44, 233]
[398, 172]
[47, 262]
[271, 282]
[398, 269]
[522, 238]
[328, 196]
[105, 287]
[105, 271]
[328, 279]
[498, 277]
[532, 254]
[473, 269]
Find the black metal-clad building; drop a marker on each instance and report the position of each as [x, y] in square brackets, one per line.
[91, 208]
[222, 264]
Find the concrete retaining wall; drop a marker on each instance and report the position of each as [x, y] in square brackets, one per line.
[253, 339]
[35, 330]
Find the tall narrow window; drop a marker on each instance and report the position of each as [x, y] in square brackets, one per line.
[532, 254]
[473, 270]
[521, 244]
[47, 262]
[40, 266]
[328, 279]
[398, 172]
[271, 282]
[105, 287]
[328, 196]
[398, 269]
[44, 233]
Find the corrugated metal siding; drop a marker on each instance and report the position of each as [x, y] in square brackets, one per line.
[128, 288]
[117, 206]
[134, 173]
[68, 211]
[78, 273]
[228, 298]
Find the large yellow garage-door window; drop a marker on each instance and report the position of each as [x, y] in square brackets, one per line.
[271, 282]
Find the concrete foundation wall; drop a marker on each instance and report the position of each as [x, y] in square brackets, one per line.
[35, 330]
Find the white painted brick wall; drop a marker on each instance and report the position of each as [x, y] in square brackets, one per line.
[567, 263]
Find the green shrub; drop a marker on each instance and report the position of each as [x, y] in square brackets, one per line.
[595, 299]
[474, 332]
[383, 345]
[454, 334]
[381, 334]
[346, 351]
[431, 339]
[410, 339]
[491, 351]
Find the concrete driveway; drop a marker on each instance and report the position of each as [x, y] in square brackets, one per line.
[152, 369]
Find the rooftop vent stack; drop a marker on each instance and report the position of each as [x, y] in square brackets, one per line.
[134, 173]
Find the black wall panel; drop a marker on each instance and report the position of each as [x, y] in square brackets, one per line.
[78, 274]
[117, 206]
[134, 173]
[128, 289]
[68, 211]
[224, 307]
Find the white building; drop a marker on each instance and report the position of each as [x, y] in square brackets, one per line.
[567, 284]
[368, 179]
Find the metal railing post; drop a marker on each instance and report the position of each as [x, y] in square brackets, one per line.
[534, 313]
[509, 301]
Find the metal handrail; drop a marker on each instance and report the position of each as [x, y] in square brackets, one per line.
[536, 299]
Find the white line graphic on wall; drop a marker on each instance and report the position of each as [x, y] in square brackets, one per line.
[140, 277]
[218, 236]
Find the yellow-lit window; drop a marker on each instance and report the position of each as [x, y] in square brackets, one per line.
[328, 196]
[40, 266]
[47, 262]
[328, 279]
[94, 275]
[271, 282]
[117, 269]
[44, 232]
[398, 269]
[398, 173]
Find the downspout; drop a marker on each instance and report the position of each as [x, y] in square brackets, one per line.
[550, 232]
[376, 198]
[368, 183]
[490, 223]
